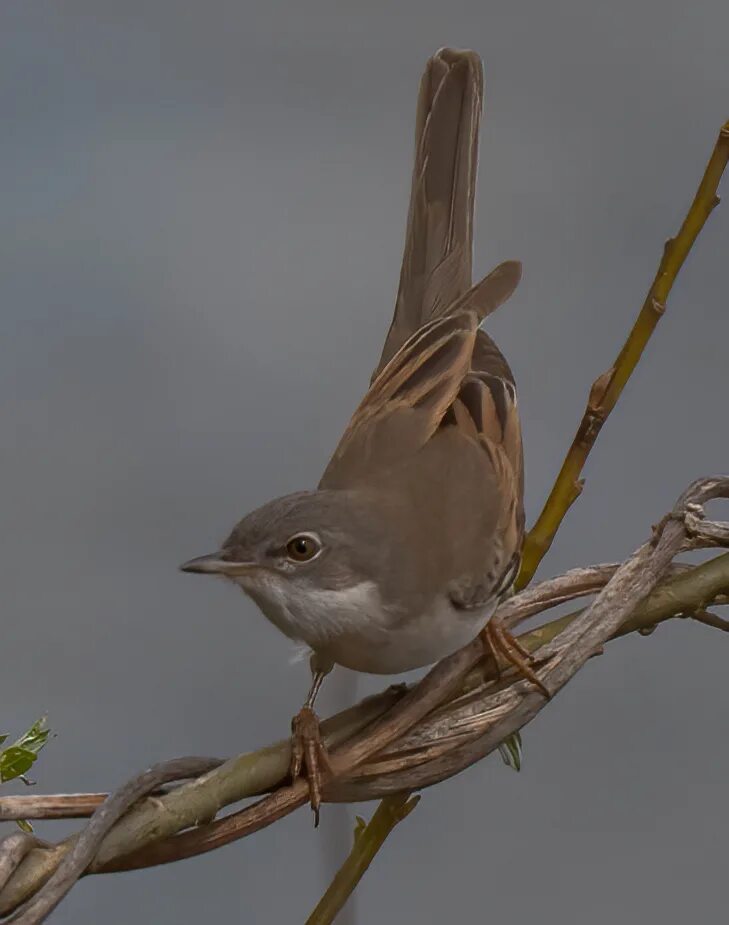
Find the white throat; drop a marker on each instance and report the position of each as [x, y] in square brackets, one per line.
[313, 615]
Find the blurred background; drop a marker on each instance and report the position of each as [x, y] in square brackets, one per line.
[203, 207]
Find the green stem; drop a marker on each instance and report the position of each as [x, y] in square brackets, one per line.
[607, 388]
[367, 842]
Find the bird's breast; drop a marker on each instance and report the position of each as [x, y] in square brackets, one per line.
[355, 628]
[402, 643]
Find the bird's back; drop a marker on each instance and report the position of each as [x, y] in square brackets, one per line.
[438, 370]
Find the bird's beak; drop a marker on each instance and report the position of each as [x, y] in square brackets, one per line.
[214, 564]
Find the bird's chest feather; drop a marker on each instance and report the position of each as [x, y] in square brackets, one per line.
[355, 629]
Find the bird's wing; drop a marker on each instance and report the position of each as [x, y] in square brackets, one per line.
[486, 408]
[437, 369]
[407, 402]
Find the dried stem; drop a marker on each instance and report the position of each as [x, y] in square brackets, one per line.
[412, 749]
[607, 388]
[261, 771]
[87, 843]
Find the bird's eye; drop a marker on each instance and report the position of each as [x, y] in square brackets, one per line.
[303, 547]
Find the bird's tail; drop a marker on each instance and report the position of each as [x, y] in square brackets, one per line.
[436, 266]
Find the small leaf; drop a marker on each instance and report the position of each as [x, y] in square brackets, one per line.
[3, 737]
[15, 761]
[511, 751]
[36, 737]
[24, 825]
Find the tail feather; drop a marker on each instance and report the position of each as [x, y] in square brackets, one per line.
[437, 259]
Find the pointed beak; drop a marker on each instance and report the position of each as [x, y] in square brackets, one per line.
[214, 564]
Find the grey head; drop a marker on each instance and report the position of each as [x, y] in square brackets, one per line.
[308, 534]
[310, 560]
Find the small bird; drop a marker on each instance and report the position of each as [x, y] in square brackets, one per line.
[413, 536]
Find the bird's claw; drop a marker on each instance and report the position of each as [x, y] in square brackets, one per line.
[308, 751]
[505, 647]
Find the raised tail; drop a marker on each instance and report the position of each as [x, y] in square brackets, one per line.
[436, 266]
[436, 273]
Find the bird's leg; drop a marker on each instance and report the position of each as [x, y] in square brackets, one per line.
[307, 748]
[505, 647]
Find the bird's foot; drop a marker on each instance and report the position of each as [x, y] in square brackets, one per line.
[308, 751]
[506, 648]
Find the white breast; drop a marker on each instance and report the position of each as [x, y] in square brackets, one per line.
[352, 628]
[397, 646]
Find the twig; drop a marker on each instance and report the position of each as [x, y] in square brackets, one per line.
[368, 842]
[87, 843]
[710, 619]
[607, 388]
[13, 848]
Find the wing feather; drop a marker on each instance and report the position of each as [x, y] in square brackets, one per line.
[407, 402]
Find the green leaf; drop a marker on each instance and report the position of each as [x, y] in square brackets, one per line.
[511, 751]
[3, 737]
[17, 758]
[36, 737]
[15, 761]
[24, 825]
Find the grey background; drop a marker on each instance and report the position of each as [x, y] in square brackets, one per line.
[202, 215]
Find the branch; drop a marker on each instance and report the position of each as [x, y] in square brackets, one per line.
[367, 842]
[421, 739]
[608, 387]
[689, 585]
[87, 843]
[14, 849]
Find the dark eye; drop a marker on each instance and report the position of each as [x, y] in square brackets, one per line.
[302, 547]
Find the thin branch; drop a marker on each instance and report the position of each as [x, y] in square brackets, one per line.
[710, 619]
[50, 806]
[87, 843]
[368, 842]
[480, 716]
[688, 585]
[188, 805]
[13, 848]
[607, 388]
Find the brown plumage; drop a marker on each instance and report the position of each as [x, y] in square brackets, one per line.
[435, 359]
[414, 533]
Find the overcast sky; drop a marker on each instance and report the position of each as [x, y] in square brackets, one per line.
[203, 208]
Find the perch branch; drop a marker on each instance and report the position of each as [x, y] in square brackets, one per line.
[85, 846]
[478, 719]
[689, 585]
[608, 387]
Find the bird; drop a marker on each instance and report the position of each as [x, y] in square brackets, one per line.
[413, 535]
